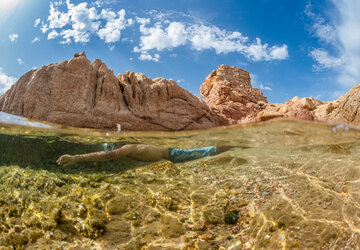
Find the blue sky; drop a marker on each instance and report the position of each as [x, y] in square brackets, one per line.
[303, 48]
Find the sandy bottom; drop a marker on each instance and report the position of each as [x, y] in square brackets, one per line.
[271, 197]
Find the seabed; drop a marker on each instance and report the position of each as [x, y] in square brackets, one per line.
[286, 185]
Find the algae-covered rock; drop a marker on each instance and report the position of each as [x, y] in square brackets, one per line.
[202, 245]
[171, 227]
[119, 205]
[117, 231]
[230, 218]
[213, 215]
[199, 198]
[95, 223]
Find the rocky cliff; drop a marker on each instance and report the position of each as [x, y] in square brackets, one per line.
[228, 92]
[84, 94]
[343, 110]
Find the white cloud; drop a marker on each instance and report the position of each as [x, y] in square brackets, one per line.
[37, 22]
[36, 39]
[157, 38]
[76, 23]
[144, 56]
[5, 81]
[115, 23]
[342, 35]
[53, 34]
[56, 18]
[261, 52]
[44, 28]
[83, 22]
[201, 37]
[13, 37]
[20, 61]
[205, 37]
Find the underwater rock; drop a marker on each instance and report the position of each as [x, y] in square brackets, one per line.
[79, 93]
[117, 231]
[228, 92]
[213, 215]
[120, 205]
[236, 246]
[202, 245]
[171, 227]
[230, 218]
[199, 198]
[95, 223]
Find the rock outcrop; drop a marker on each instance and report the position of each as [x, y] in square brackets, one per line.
[296, 108]
[228, 92]
[345, 109]
[84, 94]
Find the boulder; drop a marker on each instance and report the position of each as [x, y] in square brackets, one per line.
[228, 92]
[79, 93]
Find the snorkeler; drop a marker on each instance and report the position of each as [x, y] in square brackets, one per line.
[143, 152]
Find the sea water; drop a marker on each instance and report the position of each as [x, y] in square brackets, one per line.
[285, 184]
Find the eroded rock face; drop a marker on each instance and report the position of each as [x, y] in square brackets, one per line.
[228, 92]
[84, 94]
[345, 109]
[296, 108]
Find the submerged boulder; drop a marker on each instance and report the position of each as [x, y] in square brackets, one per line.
[79, 93]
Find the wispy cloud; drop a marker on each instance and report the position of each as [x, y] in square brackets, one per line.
[13, 37]
[53, 34]
[341, 38]
[20, 61]
[37, 22]
[255, 83]
[35, 40]
[5, 81]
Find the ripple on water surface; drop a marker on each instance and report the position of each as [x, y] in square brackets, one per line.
[285, 184]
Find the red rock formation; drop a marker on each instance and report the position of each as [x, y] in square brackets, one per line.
[343, 110]
[228, 92]
[296, 108]
[84, 94]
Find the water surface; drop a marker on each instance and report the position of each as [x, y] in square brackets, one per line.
[287, 184]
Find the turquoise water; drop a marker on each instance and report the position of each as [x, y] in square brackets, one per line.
[286, 184]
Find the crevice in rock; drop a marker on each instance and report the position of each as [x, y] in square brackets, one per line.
[102, 85]
[94, 100]
[122, 89]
